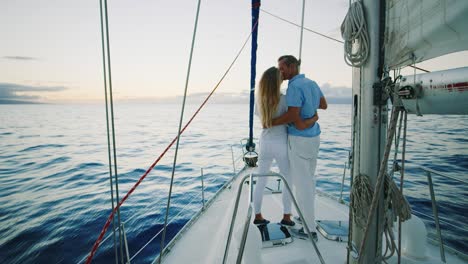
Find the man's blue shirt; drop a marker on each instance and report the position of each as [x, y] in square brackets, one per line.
[304, 93]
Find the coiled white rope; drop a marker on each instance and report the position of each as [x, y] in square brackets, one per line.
[364, 195]
[362, 198]
[354, 33]
[399, 203]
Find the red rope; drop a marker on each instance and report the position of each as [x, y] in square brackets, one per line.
[111, 216]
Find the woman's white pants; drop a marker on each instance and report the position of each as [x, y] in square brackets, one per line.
[274, 148]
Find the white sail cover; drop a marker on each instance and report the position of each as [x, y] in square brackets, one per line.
[440, 92]
[418, 30]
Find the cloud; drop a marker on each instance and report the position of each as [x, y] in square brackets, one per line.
[9, 91]
[336, 94]
[335, 91]
[333, 94]
[198, 98]
[20, 58]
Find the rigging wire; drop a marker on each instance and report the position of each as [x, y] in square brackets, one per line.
[297, 25]
[109, 106]
[394, 195]
[107, 124]
[179, 129]
[182, 210]
[395, 168]
[111, 216]
[117, 208]
[380, 180]
[402, 177]
[302, 33]
[322, 35]
[127, 220]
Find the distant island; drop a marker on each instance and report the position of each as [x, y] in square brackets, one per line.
[339, 100]
[4, 101]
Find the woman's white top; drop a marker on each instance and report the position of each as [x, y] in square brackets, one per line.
[275, 131]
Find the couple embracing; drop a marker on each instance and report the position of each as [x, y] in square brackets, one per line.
[290, 135]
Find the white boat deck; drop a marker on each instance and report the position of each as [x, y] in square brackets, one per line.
[205, 240]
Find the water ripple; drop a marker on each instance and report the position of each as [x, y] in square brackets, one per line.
[55, 195]
[44, 146]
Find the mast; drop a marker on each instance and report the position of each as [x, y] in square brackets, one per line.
[250, 146]
[369, 126]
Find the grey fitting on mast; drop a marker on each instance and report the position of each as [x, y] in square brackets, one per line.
[382, 91]
[251, 158]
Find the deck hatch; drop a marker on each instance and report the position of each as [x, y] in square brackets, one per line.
[333, 229]
[274, 235]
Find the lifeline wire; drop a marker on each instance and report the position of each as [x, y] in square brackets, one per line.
[146, 207]
[182, 210]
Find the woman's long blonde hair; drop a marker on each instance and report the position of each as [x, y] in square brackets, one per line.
[269, 95]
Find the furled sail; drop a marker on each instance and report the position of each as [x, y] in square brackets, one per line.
[418, 30]
[440, 92]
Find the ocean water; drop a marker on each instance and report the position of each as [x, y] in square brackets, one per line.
[55, 190]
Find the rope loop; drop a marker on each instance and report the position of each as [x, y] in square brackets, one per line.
[354, 33]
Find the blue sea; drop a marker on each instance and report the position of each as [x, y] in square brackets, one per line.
[54, 173]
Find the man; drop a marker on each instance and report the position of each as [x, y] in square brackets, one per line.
[303, 98]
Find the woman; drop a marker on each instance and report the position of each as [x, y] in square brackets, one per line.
[273, 141]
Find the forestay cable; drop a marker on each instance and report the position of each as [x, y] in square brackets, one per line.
[111, 216]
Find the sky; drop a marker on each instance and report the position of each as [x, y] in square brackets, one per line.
[51, 49]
